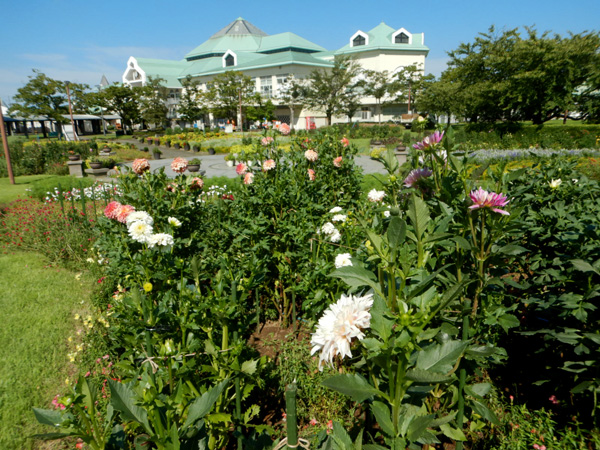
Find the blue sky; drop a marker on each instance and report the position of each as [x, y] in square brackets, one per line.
[82, 40]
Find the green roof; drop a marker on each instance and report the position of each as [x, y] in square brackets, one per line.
[380, 38]
[168, 70]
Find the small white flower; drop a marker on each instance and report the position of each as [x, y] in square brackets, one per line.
[163, 240]
[575, 180]
[335, 209]
[140, 232]
[339, 218]
[139, 216]
[174, 222]
[342, 260]
[555, 183]
[90, 260]
[335, 236]
[375, 195]
[327, 229]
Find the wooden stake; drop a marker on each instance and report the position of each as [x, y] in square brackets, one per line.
[5, 145]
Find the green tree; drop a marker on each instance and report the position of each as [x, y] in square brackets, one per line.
[227, 91]
[409, 85]
[261, 110]
[440, 97]
[190, 106]
[378, 85]
[327, 87]
[123, 100]
[153, 101]
[44, 96]
[292, 94]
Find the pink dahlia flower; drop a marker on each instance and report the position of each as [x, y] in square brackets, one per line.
[179, 165]
[266, 141]
[485, 199]
[268, 165]
[111, 210]
[337, 162]
[284, 129]
[311, 155]
[241, 169]
[196, 183]
[123, 211]
[140, 166]
[429, 141]
[415, 176]
[345, 142]
[249, 178]
[311, 175]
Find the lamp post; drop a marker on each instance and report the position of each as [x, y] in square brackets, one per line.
[5, 145]
[102, 113]
[67, 83]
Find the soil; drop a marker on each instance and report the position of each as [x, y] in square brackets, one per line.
[267, 340]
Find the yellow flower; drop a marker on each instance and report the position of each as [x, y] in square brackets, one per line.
[70, 339]
[147, 286]
[67, 381]
[79, 347]
[76, 316]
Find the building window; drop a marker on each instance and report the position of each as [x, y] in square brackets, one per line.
[359, 40]
[401, 38]
[281, 81]
[266, 86]
[365, 114]
[229, 60]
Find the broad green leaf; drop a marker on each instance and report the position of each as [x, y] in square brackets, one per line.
[584, 266]
[203, 404]
[48, 417]
[355, 386]
[173, 443]
[508, 321]
[512, 250]
[218, 417]
[481, 351]
[453, 433]
[341, 437]
[424, 376]
[418, 213]
[122, 399]
[581, 387]
[484, 412]
[462, 243]
[478, 389]
[356, 277]
[383, 417]
[441, 358]
[418, 427]
[249, 367]
[396, 232]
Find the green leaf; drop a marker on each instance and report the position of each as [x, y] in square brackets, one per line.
[453, 433]
[581, 387]
[462, 243]
[355, 386]
[484, 412]
[48, 417]
[512, 250]
[249, 367]
[203, 404]
[481, 351]
[584, 266]
[218, 417]
[418, 213]
[418, 427]
[478, 389]
[122, 399]
[508, 321]
[356, 277]
[341, 437]
[441, 358]
[396, 232]
[424, 376]
[383, 417]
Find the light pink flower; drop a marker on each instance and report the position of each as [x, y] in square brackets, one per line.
[337, 162]
[140, 166]
[197, 183]
[311, 155]
[429, 141]
[179, 165]
[313, 421]
[241, 169]
[268, 165]
[122, 212]
[485, 199]
[311, 175]
[249, 178]
[553, 400]
[415, 176]
[111, 210]
[345, 142]
[266, 141]
[284, 129]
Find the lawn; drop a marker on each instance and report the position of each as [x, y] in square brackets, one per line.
[37, 308]
[22, 186]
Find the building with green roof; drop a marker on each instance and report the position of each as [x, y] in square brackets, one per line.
[271, 60]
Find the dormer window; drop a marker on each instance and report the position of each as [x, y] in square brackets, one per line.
[358, 39]
[229, 59]
[402, 36]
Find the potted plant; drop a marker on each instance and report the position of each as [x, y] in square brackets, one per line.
[145, 149]
[211, 151]
[156, 153]
[95, 163]
[73, 156]
[168, 143]
[196, 147]
[177, 145]
[186, 146]
[194, 165]
[142, 140]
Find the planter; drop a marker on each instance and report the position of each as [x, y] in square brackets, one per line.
[177, 146]
[196, 148]
[95, 165]
[229, 163]
[157, 142]
[168, 144]
[211, 151]
[156, 155]
[73, 157]
[186, 146]
[193, 167]
[142, 140]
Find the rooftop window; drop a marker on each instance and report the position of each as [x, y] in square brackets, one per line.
[359, 40]
[401, 38]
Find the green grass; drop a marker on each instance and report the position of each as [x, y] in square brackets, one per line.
[10, 192]
[373, 181]
[36, 313]
[363, 145]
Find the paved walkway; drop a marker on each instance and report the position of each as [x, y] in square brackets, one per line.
[216, 166]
